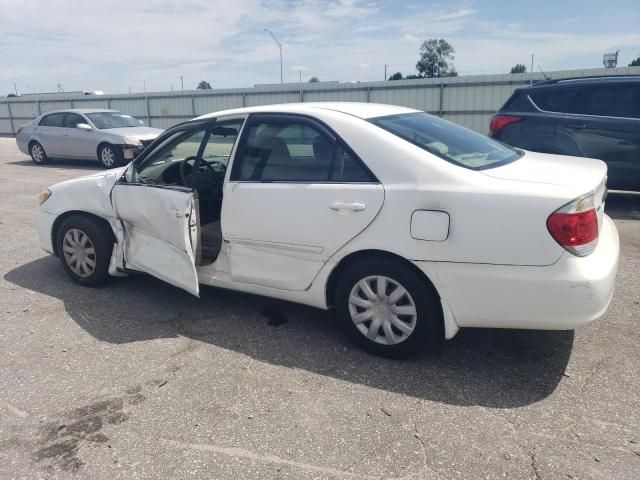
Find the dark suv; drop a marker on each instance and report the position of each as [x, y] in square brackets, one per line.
[597, 117]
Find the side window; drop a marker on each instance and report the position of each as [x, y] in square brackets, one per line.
[609, 100]
[553, 99]
[221, 141]
[72, 119]
[290, 150]
[52, 120]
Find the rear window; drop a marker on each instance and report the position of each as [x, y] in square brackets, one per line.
[553, 100]
[52, 120]
[609, 100]
[518, 102]
[448, 140]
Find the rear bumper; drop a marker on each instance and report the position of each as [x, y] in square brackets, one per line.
[571, 293]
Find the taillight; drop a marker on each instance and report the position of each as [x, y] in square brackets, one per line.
[498, 122]
[575, 226]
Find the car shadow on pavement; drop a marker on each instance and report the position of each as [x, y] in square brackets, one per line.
[92, 164]
[486, 367]
[623, 205]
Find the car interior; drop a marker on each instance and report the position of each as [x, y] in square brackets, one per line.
[198, 160]
[273, 151]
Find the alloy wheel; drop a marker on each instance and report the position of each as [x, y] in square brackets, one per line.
[107, 157]
[79, 252]
[382, 310]
[37, 153]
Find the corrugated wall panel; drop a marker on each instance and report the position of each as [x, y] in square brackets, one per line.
[91, 103]
[162, 122]
[460, 98]
[271, 98]
[350, 95]
[5, 126]
[170, 106]
[50, 106]
[136, 107]
[427, 99]
[216, 103]
[24, 109]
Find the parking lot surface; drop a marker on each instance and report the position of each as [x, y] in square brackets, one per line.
[141, 380]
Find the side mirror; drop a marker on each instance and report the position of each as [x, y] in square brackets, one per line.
[84, 126]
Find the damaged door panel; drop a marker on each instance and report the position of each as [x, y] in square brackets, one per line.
[160, 230]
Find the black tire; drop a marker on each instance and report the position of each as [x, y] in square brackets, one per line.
[38, 155]
[428, 326]
[110, 156]
[101, 239]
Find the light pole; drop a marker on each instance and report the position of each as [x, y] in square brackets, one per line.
[279, 47]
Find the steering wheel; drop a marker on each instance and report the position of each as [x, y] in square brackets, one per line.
[206, 180]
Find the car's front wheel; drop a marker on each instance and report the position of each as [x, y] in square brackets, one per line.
[84, 246]
[387, 308]
[38, 154]
[109, 156]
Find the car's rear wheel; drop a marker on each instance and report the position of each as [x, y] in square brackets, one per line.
[387, 308]
[109, 156]
[37, 153]
[84, 246]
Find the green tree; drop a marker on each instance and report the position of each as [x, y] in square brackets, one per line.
[11, 95]
[314, 80]
[519, 68]
[635, 63]
[436, 59]
[412, 77]
[396, 76]
[204, 85]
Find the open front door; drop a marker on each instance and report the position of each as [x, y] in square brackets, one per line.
[161, 232]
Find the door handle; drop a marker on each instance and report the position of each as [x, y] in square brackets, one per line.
[354, 207]
[577, 126]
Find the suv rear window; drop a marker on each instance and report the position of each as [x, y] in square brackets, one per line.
[448, 140]
[608, 100]
[553, 99]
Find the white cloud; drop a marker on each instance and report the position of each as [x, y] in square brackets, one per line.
[113, 45]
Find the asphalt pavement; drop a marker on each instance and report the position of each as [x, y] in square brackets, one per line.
[139, 380]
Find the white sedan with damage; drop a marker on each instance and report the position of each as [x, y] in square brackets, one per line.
[409, 225]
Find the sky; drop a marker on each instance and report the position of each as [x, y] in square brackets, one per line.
[122, 45]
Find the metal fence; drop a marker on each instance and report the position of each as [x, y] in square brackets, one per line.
[468, 100]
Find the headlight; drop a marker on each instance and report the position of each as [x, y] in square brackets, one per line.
[43, 196]
[132, 141]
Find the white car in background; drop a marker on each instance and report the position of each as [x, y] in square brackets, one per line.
[410, 225]
[112, 137]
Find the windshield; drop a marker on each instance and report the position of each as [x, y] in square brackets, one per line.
[448, 140]
[105, 120]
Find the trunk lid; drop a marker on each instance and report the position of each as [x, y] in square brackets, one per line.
[582, 175]
[586, 173]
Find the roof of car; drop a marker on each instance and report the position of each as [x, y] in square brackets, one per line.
[357, 109]
[81, 110]
[587, 80]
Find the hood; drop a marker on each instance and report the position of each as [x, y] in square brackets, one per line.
[98, 178]
[561, 170]
[141, 133]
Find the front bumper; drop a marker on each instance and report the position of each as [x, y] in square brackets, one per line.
[571, 293]
[44, 227]
[129, 152]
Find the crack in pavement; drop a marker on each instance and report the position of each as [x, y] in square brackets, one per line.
[274, 459]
